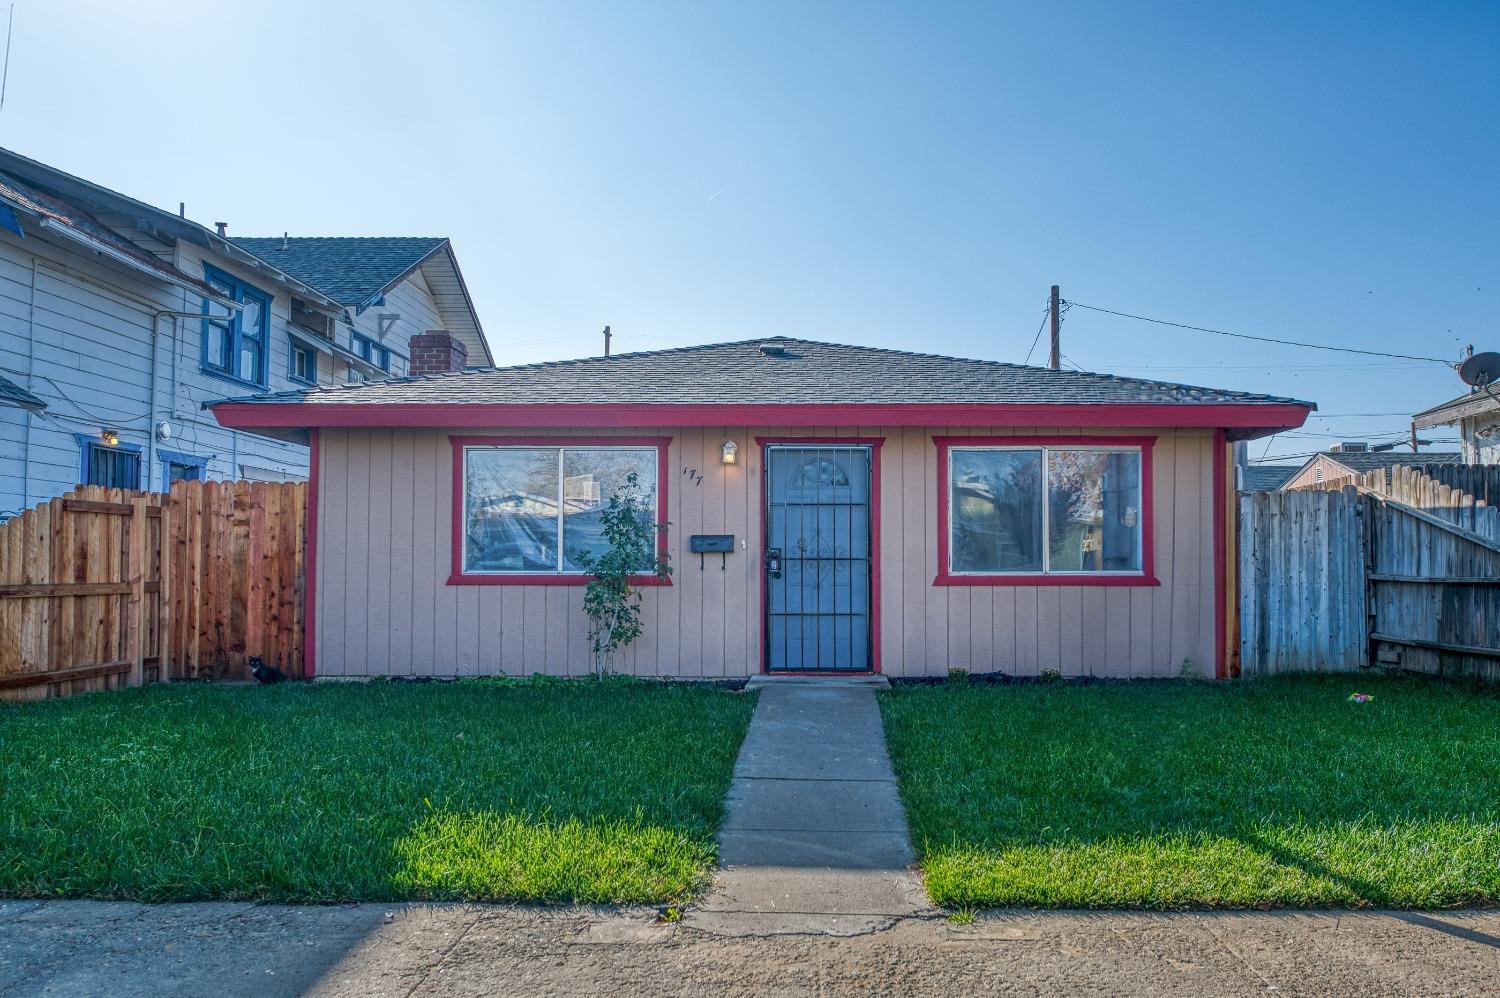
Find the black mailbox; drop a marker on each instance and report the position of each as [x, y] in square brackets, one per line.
[719, 544]
[711, 543]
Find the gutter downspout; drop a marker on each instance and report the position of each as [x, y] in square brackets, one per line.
[30, 387]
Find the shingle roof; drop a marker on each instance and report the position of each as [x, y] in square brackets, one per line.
[1371, 460]
[1268, 477]
[13, 394]
[74, 218]
[349, 269]
[741, 373]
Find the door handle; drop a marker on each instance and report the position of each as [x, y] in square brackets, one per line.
[773, 562]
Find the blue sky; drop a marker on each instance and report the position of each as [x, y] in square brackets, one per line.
[906, 176]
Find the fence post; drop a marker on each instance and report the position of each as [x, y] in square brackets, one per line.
[135, 604]
[165, 551]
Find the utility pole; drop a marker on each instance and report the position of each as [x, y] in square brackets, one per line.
[606, 341]
[1054, 360]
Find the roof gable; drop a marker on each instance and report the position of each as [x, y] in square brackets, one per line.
[352, 270]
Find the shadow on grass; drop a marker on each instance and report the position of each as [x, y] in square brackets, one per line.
[1193, 795]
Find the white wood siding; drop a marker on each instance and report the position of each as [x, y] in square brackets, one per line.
[89, 327]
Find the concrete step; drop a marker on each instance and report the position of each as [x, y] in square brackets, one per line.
[856, 679]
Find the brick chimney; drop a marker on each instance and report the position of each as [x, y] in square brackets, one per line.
[437, 351]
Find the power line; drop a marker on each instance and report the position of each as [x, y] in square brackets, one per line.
[1047, 311]
[1261, 339]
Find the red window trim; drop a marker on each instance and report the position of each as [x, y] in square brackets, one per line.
[1147, 575]
[459, 578]
[874, 443]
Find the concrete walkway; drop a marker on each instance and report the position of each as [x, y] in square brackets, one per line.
[814, 837]
[63, 949]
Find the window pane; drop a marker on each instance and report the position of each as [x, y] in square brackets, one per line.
[590, 477]
[250, 319]
[996, 511]
[250, 354]
[511, 500]
[1094, 510]
[217, 346]
[183, 472]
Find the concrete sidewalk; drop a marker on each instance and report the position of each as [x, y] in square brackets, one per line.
[62, 949]
[814, 837]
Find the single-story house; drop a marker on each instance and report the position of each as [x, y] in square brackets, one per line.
[1477, 415]
[884, 511]
[1350, 459]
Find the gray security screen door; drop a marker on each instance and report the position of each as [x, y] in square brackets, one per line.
[817, 558]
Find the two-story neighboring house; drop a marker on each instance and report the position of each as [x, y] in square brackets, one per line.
[118, 321]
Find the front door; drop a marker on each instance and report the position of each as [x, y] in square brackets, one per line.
[817, 558]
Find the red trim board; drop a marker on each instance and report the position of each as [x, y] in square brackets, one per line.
[1147, 575]
[874, 443]
[1221, 580]
[1263, 417]
[310, 565]
[458, 577]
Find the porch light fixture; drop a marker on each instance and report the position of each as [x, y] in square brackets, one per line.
[729, 452]
[110, 437]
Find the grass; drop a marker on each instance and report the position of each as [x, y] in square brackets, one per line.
[480, 790]
[1274, 792]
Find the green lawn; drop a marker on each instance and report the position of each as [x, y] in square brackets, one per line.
[1168, 795]
[536, 791]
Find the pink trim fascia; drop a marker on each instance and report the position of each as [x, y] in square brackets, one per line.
[310, 564]
[1147, 576]
[1263, 416]
[874, 443]
[457, 576]
[1221, 581]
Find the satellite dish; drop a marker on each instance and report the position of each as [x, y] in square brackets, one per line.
[1481, 370]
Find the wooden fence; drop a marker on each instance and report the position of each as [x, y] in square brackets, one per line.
[84, 595]
[1392, 568]
[103, 588]
[1302, 582]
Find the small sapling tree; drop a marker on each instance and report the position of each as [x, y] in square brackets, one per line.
[612, 603]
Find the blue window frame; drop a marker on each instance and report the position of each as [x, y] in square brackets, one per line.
[234, 342]
[179, 467]
[302, 364]
[117, 467]
[371, 351]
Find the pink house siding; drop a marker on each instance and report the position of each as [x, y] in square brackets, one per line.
[384, 605]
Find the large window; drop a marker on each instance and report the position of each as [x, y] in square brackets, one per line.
[529, 509]
[1053, 510]
[234, 341]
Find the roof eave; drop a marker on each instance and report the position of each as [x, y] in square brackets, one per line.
[1458, 409]
[1244, 421]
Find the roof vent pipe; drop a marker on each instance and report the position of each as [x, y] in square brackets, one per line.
[223, 228]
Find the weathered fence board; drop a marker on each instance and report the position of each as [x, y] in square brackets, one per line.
[202, 578]
[1302, 588]
[1412, 547]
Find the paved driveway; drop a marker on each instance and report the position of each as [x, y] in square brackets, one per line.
[124, 950]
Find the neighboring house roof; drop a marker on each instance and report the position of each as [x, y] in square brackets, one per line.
[1267, 477]
[356, 270]
[13, 394]
[72, 222]
[352, 270]
[771, 375]
[1472, 403]
[1362, 461]
[147, 220]
[1359, 462]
